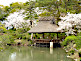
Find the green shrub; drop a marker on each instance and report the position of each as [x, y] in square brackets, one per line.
[2, 30]
[1, 48]
[80, 59]
[6, 39]
[72, 39]
[23, 37]
[20, 33]
[72, 51]
[19, 36]
[68, 40]
[22, 30]
[30, 42]
[78, 42]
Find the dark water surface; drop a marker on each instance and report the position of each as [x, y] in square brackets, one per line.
[33, 54]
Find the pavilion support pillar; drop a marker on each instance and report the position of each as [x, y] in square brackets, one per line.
[43, 36]
[57, 36]
[49, 35]
[51, 44]
[31, 36]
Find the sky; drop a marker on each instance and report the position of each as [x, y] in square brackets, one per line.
[7, 2]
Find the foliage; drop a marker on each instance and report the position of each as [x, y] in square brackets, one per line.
[3, 15]
[33, 9]
[56, 8]
[20, 33]
[72, 51]
[69, 40]
[18, 14]
[78, 42]
[2, 28]
[30, 11]
[22, 30]
[45, 14]
[80, 59]
[72, 39]
[6, 39]
[48, 35]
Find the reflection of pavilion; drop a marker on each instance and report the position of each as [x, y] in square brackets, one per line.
[45, 25]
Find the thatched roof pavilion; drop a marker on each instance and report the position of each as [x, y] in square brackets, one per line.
[45, 25]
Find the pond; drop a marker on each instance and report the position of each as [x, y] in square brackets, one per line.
[33, 54]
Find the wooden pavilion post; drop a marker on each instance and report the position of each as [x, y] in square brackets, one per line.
[57, 35]
[35, 40]
[49, 35]
[51, 42]
[43, 36]
[31, 36]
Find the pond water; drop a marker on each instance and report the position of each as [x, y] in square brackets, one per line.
[33, 54]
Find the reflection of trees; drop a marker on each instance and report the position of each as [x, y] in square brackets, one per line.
[4, 56]
[32, 54]
[22, 54]
[12, 57]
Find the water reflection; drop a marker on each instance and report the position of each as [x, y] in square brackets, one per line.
[12, 56]
[33, 54]
[51, 50]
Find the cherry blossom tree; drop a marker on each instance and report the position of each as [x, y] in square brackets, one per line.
[71, 23]
[16, 19]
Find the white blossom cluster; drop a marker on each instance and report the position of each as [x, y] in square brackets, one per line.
[16, 19]
[69, 22]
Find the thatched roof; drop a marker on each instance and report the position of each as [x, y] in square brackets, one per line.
[48, 18]
[44, 27]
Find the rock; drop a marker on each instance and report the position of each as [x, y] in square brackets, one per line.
[74, 46]
[67, 51]
[68, 56]
[75, 59]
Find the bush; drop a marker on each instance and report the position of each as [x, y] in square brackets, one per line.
[6, 39]
[72, 39]
[20, 33]
[72, 51]
[19, 36]
[2, 30]
[68, 40]
[78, 42]
[30, 42]
[1, 48]
[22, 30]
[24, 37]
[80, 59]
